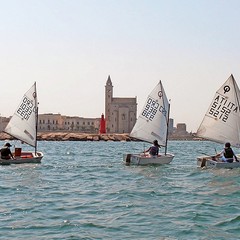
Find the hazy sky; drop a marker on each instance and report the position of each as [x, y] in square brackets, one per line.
[69, 47]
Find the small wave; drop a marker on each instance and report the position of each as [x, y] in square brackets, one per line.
[229, 221]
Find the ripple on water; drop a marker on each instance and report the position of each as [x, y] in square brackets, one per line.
[82, 190]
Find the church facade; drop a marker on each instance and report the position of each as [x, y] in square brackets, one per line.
[120, 113]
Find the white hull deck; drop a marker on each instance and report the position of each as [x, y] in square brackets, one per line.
[146, 159]
[208, 162]
[25, 157]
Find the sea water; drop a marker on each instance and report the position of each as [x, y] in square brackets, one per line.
[83, 190]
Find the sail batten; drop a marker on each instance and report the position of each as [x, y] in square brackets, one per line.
[152, 122]
[221, 122]
[22, 124]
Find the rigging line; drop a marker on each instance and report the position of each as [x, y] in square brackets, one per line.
[36, 116]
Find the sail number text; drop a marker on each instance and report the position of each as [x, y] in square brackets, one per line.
[221, 108]
[26, 108]
[151, 109]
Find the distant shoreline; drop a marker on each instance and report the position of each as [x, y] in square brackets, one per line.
[73, 136]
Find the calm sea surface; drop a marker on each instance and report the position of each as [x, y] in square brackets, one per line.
[82, 190]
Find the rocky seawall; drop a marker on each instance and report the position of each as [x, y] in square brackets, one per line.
[71, 136]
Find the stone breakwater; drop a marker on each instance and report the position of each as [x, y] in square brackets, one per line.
[71, 136]
[67, 136]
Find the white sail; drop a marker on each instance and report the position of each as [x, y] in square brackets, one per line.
[152, 122]
[222, 120]
[22, 124]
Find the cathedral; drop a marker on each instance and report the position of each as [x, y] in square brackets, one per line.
[120, 113]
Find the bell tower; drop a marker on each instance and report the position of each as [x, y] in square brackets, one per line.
[108, 101]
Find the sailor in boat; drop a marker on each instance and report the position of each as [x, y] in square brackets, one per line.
[153, 150]
[6, 151]
[227, 154]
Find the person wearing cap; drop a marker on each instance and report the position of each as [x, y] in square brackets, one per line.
[227, 154]
[153, 150]
[6, 151]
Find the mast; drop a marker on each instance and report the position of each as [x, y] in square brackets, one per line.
[167, 128]
[36, 117]
[36, 130]
[167, 117]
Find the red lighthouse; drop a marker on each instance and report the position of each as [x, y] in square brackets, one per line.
[102, 125]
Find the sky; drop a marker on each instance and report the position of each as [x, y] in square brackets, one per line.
[70, 47]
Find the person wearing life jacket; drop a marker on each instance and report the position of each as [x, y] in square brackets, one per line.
[6, 152]
[227, 154]
[153, 150]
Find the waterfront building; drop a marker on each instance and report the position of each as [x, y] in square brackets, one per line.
[170, 126]
[58, 122]
[181, 129]
[3, 122]
[120, 113]
[50, 122]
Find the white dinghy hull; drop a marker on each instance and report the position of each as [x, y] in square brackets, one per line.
[143, 159]
[26, 157]
[207, 162]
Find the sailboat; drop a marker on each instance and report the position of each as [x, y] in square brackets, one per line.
[152, 124]
[23, 126]
[221, 123]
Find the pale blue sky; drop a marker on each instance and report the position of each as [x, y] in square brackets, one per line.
[70, 47]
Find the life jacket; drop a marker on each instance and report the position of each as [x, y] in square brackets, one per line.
[154, 150]
[228, 153]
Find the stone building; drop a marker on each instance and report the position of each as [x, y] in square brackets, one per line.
[181, 129]
[120, 113]
[3, 122]
[58, 122]
[170, 126]
[49, 122]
